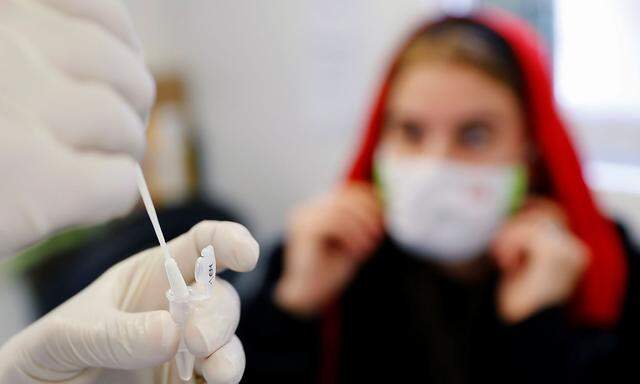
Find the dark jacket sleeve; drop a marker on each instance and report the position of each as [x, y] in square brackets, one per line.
[545, 348]
[623, 364]
[539, 348]
[279, 347]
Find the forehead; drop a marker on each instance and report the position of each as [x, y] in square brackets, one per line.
[446, 89]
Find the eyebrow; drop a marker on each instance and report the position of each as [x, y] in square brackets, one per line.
[475, 115]
[390, 116]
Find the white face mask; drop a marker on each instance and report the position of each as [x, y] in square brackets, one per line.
[443, 210]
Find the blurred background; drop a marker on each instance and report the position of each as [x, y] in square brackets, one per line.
[277, 91]
[260, 103]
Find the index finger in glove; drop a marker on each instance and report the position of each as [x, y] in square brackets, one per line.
[234, 247]
[112, 15]
[85, 116]
[83, 50]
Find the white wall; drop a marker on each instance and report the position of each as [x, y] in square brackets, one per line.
[597, 58]
[597, 70]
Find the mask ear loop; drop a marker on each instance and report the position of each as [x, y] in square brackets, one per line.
[519, 188]
[376, 178]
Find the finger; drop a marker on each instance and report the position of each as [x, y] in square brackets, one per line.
[90, 117]
[234, 247]
[120, 341]
[84, 51]
[90, 188]
[367, 195]
[226, 366]
[348, 230]
[510, 244]
[540, 207]
[370, 203]
[98, 188]
[213, 321]
[110, 14]
[93, 117]
[370, 228]
[367, 219]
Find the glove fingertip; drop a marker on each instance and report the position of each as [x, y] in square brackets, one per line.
[226, 365]
[234, 245]
[242, 246]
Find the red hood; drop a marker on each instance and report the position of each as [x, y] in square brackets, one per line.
[598, 300]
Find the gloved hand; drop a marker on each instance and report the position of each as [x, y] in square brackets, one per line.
[74, 94]
[120, 322]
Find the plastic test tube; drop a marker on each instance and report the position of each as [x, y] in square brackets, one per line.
[181, 300]
[181, 297]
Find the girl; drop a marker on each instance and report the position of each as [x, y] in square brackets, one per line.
[464, 247]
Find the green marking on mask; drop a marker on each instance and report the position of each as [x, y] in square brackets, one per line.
[519, 187]
[377, 182]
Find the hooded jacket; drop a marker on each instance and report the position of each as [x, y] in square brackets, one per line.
[599, 297]
[598, 304]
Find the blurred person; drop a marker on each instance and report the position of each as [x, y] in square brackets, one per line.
[465, 245]
[74, 96]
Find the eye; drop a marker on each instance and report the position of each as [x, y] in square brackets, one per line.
[411, 131]
[475, 135]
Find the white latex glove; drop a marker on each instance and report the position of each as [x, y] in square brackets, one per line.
[74, 94]
[120, 322]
